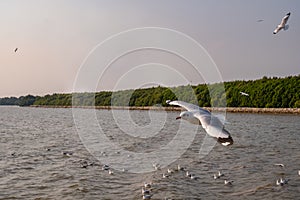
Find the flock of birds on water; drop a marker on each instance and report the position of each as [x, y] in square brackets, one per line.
[213, 127]
[147, 187]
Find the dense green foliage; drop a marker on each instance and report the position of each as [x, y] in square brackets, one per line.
[21, 101]
[266, 92]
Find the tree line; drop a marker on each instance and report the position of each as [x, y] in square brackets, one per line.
[266, 92]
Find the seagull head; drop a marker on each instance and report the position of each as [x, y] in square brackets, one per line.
[186, 115]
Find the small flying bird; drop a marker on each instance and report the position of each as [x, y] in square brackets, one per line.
[283, 24]
[16, 49]
[244, 94]
[279, 164]
[260, 20]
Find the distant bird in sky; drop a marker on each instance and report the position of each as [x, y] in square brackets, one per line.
[244, 94]
[16, 49]
[283, 24]
[260, 20]
[199, 116]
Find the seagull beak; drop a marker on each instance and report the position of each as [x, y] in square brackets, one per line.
[178, 117]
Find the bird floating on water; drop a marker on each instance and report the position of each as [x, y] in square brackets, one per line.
[278, 182]
[188, 174]
[212, 125]
[282, 182]
[145, 191]
[67, 153]
[179, 168]
[283, 24]
[216, 176]
[147, 185]
[105, 167]
[226, 182]
[165, 175]
[147, 196]
[156, 166]
[193, 177]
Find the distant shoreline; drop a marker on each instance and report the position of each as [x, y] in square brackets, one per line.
[228, 109]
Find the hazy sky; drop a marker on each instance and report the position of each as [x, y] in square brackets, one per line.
[54, 38]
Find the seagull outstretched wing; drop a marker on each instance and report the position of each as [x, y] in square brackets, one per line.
[282, 24]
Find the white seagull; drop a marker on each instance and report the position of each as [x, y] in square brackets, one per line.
[226, 182]
[282, 182]
[145, 191]
[212, 125]
[110, 172]
[165, 175]
[244, 94]
[283, 24]
[279, 164]
[147, 185]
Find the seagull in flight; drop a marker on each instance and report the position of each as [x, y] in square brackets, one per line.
[244, 94]
[279, 164]
[283, 24]
[16, 49]
[199, 116]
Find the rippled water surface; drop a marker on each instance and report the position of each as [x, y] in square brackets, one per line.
[33, 166]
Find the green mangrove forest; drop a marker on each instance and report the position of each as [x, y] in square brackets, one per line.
[266, 92]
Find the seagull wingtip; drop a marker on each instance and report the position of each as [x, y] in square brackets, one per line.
[226, 141]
